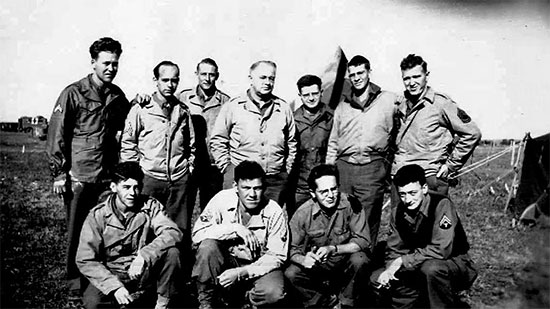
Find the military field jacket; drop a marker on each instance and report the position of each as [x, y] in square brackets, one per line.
[83, 129]
[107, 246]
[218, 220]
[163, 145]
[309, 227]
[242, 133]
[204, 115]
[426, 134]
[362, 134]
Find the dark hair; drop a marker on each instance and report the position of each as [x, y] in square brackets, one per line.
[249, 170]
[308, 80]
[106, 45]
[209, 61]
[358, 60]
[409, 174]
[126, 170]
[257, 63]
[320, 171]
[156, 70]
[413, 60]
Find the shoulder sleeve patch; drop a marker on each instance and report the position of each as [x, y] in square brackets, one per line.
[462, 115]
[206, 217]
[445, 223]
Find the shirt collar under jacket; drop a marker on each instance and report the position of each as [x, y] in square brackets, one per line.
[372, 89]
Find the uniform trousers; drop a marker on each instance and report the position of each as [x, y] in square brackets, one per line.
[173, 195]
[163, 275]
[344, 274]
[434, 284]
[367, 182]
[212, 259]
[79, 198]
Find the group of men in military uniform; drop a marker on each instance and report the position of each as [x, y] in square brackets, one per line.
[290, 200]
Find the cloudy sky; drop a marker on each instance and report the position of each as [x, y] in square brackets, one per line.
[489, 56]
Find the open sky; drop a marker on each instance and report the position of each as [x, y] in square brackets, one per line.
[489, 56]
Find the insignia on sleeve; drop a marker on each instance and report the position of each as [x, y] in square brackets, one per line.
[58, 109]
[128, 129]
[205, 217]
[445, 223]
[462, 115]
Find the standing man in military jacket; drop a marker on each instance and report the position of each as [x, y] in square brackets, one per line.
[159, 135]
[204, 101]
[257, 126]
[361, 139]
[83, 143]
[428, 123]
[313, 124]
[427, 258]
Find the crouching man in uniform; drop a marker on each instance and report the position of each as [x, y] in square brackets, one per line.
[427, 259]
[127, 243]
[242, 240]
[329, 243]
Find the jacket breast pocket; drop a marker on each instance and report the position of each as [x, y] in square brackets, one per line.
[341, 235]
[315, 238]
[89, 116]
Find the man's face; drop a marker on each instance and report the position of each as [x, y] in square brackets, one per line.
[262, 79]
[250, 192]
[311, 95]
[327, 192]
[105, 66]
[168, 80]
[412, 194]
[207, 75]
[415, 80]
[126, 191]
[359, 76]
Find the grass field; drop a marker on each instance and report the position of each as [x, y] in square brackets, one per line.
[513, 262]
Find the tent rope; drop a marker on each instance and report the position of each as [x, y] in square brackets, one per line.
[480, 163]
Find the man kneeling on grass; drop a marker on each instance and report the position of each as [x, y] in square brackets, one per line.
[330, 244]
[427, 259]
[242, 239]
[126, 244]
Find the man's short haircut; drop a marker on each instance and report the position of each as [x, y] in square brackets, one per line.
[105, 45]
[156, 70]
[209, 61]
[248, 170]
[308, 80]
[409, 174]
[257, 63]
[413, 60]
[126, 170]
[320, 171]
[359, 60]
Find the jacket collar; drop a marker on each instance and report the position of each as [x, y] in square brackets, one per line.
[197, 97]
[428, 96]
[324, 113]
[91, 90]
[248, 105]
[316, 208]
